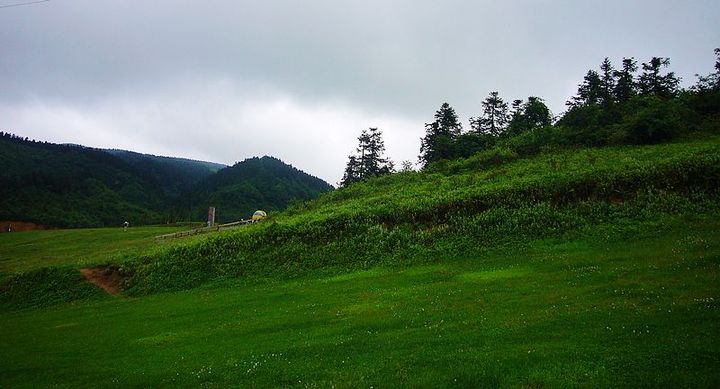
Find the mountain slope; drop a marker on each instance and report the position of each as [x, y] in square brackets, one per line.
[72, 186]
[175, 176]
[256, 183]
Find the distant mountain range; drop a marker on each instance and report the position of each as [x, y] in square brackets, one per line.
[76, 186]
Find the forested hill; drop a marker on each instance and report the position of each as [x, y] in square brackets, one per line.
[72, 186]
[256, 183]
[175, 176]
[75, 186]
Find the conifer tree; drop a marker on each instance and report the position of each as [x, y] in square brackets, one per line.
[368, 160]
[652, 82]
[589, 92]
[711, 82]
[437, 144]
[607, 83]
[625, 85]
[352, 171]
[494, 118]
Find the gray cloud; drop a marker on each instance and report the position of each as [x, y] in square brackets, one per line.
[149, 75]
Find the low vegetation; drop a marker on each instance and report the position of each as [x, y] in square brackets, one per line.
[79, 247]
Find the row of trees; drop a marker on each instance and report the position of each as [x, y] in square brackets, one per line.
[611, 105]
[616, 86]
[622, 105]
[444, 138]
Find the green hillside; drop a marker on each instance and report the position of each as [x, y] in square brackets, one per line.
[468, 205]
[264, 183]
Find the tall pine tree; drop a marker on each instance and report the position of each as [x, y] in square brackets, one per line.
[625, 85]
[589, 92]
[368, 160]
[607, 83]
[438, 142]
[653, 82]
[352, 171]
[494, 118]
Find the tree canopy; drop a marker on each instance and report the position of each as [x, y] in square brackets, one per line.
[437, 144]
[369, 159]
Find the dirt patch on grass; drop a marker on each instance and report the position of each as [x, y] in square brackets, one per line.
[16, 226]
[107, 277]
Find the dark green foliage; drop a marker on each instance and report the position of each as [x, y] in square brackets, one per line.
[264, 183]
[653, 82]
[369, 159]
[641, 120]
[651, 120]
[72, 186]
[589, 92]
[469, 143]
[75, 186]
[608, 83]
[494, 118]
[352, 171]
[625, 84]
[705, 94]
[440, 135]
[529, 115]
[611, 107]
[176, 176]
[645, 110]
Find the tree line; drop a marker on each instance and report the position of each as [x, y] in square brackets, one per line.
[628, 104]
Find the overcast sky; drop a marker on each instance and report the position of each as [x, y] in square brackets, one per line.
[223, 80]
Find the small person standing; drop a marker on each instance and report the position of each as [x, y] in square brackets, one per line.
[125, 226]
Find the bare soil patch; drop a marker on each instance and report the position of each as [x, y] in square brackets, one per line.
[107, 277]
[16, 226]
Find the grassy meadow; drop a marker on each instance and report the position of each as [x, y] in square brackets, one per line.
[578, 267]
[30, 250]
[629, 309]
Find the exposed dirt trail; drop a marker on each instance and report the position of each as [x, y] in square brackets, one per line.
[108, 278]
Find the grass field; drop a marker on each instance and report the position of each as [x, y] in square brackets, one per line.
[35, 249]
[626, 309]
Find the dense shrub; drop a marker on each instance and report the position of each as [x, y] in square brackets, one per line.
[653, 120]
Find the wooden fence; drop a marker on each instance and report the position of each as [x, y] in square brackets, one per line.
[202, 230]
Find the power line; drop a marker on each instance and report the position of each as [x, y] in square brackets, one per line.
[26, 3]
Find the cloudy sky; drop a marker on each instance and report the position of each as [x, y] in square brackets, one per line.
[224, 80]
